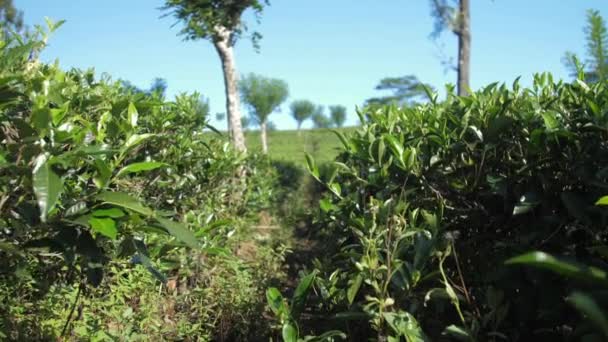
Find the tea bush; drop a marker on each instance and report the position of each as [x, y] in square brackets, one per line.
[425, 205]
[119, 217]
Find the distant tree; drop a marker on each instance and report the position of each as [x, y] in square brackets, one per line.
[596, 63]
[405, 90]
[302, 110]
[263, 96]
[220, 22]
[455, 15]
[10, 17]
[319, 119]
[337, 115]
[158, 87]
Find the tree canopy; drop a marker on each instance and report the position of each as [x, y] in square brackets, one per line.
[404, 91]
[302, 110]
[596, 41]
[263, 95]
[319, 119]
[338, 115]
[209, 19]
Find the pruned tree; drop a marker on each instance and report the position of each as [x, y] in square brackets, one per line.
[219, 21]
[263, 96]
[455, 15]
[319, 119]
[302, 110]
[404, 91]
[337, 115]
[596, 37]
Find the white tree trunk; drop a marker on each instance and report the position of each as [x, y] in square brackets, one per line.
[264, 137]
[233, 104]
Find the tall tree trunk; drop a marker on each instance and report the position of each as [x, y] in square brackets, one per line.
[233, 104]
[264, 137]
[464, 48]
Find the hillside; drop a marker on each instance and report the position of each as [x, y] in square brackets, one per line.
[291, 145]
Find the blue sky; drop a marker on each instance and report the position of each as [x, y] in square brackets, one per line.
[329, 51]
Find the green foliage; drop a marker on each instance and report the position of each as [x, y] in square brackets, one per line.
[425, 204]
[109, 198]
[208, 19]
[262, 95]
[289, 313]
[302, 110]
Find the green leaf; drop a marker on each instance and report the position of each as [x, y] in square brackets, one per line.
[325, 205]
[180, 231]
[342, 139]
[136, 139]
[563, 267]
[275, 301]
[289, 332]
[602, 201]
[312, 167]
[132, 115]
[353, 289]
[410, 157]
[300, 294]
[589, 308]
[104, 226]
[140, 258]
[336, 189]
[396, 148]
[457, 332]
[104, 173]
[112, 212]
[404, 324]
[551, 122]
[124, 200]
[41, 118]
[47, 185]
[137, 167]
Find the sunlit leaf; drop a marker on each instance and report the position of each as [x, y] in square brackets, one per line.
[132, 115]
[104, 226]
[289, 332]
[138, 167]
[180, 231]
[112, 212]
[124, 200]
[47, 185]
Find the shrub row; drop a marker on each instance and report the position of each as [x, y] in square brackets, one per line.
[426, 207]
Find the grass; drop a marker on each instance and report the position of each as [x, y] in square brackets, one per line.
[292, 145]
